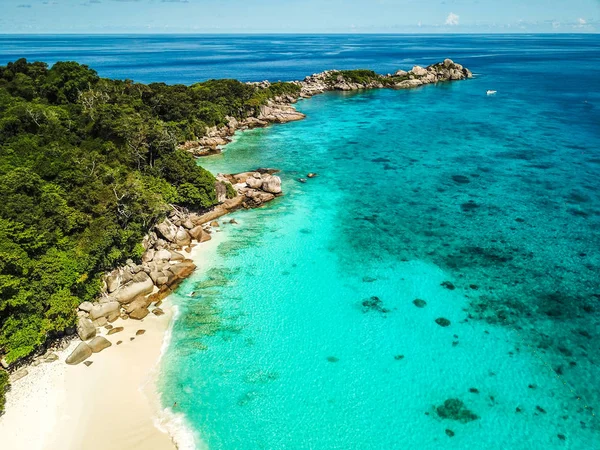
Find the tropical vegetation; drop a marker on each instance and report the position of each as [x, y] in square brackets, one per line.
[87, 166]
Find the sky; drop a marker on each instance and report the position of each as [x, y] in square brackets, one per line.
[299, 16]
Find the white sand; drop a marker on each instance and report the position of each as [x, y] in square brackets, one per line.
[111, 404]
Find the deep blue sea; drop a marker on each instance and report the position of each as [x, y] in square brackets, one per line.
[314, 322]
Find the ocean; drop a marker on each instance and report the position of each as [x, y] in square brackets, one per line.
[435, 286]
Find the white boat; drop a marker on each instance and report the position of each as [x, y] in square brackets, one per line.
[490, 92]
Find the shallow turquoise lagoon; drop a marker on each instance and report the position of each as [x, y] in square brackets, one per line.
[304, 333]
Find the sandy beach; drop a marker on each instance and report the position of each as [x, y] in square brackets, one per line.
[112, 404]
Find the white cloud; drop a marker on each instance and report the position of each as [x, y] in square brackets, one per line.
[452, 19]
[581, 21]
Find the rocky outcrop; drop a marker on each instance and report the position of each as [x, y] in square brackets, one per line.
[98, 344]
[131, 290]
[85, 329]
[274, 112]
[271, 184]
[142, 286]
[82, 352]
[280, 109]
[104, 309]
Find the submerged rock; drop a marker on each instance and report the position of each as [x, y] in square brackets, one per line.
[469, 206]
[449, 433]
[419, 303]
[248, 397]
[442, 322]
[448, 285]
[373, 304]
[332, 359]
[460, 179]
[455, 409]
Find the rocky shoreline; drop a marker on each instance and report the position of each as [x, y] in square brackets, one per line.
[134, 291]
[280, 109]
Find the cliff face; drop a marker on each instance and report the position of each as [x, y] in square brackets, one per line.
[280, 109]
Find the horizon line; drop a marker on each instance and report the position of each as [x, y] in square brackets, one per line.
[303, 33]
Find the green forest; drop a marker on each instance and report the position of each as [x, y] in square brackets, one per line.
[87, 166]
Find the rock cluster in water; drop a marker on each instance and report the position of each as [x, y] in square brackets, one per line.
[280, 109]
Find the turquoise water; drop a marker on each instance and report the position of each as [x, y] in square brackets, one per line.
[281, 343]
[273, 347]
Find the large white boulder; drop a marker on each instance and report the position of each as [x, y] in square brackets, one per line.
[99, 343]
[113, 281]
[85, 328]
[199, 234]
[131, 290]
[80, 354]
[271, 184]
[254, 183]
[418, 71]
[162, 255]
[168, 230]
[182, 237]
[104, 309]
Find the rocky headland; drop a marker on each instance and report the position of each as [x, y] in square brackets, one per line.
[280, 109]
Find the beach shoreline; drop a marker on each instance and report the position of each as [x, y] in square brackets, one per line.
[112, 403]
[103, 405]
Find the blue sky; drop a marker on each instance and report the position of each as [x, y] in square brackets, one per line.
[297, 16]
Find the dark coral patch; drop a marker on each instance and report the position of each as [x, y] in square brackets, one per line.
[373, 304]
[469, 206]
[455, 409]
[460, 179]
[442, 322]
[448, 285]
[419, 303]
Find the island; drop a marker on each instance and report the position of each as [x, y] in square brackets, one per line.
[104, 200]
